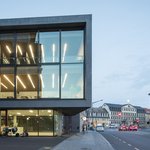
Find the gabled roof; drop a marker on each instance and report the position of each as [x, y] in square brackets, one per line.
[114, 107]
[117, 107]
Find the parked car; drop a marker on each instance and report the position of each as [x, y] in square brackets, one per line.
[123, 128]
[112, 126]
[133, 128]
[99, 128]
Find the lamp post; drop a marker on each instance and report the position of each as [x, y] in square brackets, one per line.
[92, 108]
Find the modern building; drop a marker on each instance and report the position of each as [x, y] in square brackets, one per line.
[127, 114]
[45, 72]
[97, 116]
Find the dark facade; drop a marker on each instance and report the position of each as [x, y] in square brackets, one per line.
[45, 71]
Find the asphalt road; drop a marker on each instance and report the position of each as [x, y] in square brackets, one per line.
[29, 143]
[128, 140]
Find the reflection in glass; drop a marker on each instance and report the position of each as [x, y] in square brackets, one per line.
[72, 81]
[58, 123]
[46, 123]
[49, 81]
[49, 42]
[2, 119]
[27, 48]
[72, 48]
[27, 82]
[7, 82]
[7, 55]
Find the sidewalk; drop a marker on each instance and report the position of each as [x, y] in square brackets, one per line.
[91, 140]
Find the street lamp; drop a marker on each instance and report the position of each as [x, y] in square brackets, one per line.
[97, 101]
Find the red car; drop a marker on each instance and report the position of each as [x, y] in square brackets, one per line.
[123, 128]
[133, 128]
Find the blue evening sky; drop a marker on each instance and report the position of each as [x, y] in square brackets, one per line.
[121, 42]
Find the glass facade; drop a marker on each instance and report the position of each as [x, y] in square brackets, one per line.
[45, 122]
[42, 65]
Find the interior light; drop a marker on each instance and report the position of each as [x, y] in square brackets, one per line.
[18, 113]
[31, 81]
[64, 53]
[21, 82]
[4, 86]
[28, 118]
[64, 81]
[42, 80]
[43, 55]
[53, 80]
[8, 80]
[53, 48]
[49, 111]
[80, 53]
[19, 48]
[31, 51]
[7, 47]
[28, 58]
[31, 111]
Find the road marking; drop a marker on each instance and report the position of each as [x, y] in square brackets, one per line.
[124, 141]
[119, 139]
[129, 145]
[136, 148]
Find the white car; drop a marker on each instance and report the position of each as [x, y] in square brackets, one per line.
[99, 128]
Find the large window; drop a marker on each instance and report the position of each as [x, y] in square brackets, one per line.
[7, 82]
[49, 81]
[37, 65]
[72, 47]
[49, 44]
[35, 122]
[72, 81]
[7, 50]
[27, 48]
[27, 82]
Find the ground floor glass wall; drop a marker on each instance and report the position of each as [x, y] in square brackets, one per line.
[35, 122]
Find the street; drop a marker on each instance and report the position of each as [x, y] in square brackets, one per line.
[128, 140]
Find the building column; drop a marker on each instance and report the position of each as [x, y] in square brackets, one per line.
[15, 121]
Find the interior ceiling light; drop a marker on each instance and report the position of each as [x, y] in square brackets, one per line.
[64, 53]
[28, 60]
[4, 86]
[8, 80]
[31, 51]
[8, 49]
[42, 51]
[31, 111]
[42, 80]
[31, 81]
[49, 111]
[53, 48]
[53, 80]
[19, 48]
[64, 81]
[18, 113]
[21, 82]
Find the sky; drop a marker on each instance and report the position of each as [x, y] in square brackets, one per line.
[120, 43]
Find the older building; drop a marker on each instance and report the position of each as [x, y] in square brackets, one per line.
[147, 117]
[45, 72]
[97, 116]
[127, 114]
